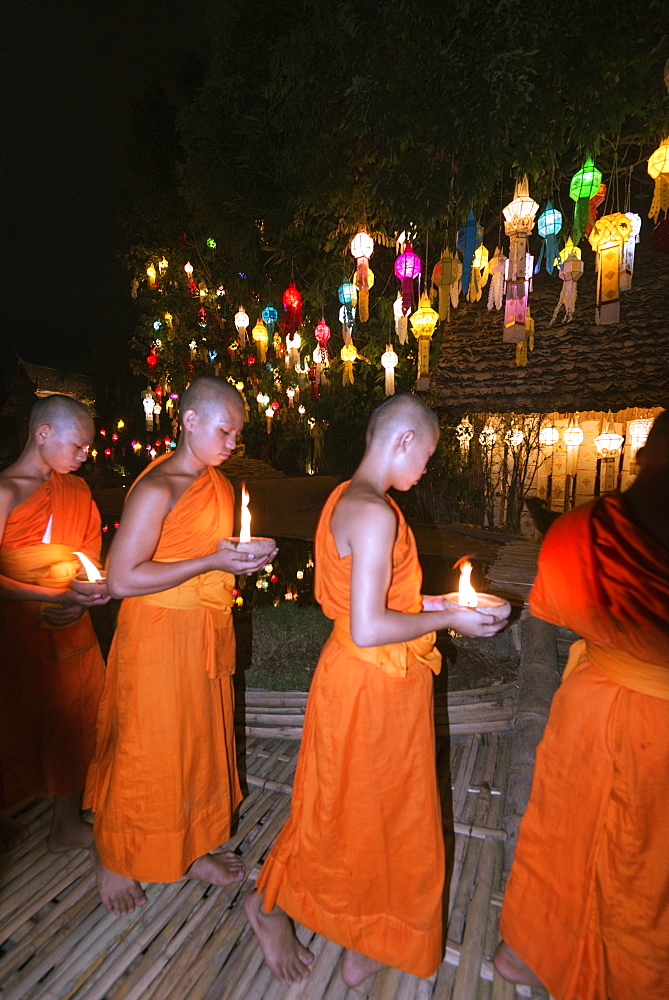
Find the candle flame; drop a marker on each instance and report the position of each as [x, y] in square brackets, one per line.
[92, 572]
[245, 528]
[467, 597]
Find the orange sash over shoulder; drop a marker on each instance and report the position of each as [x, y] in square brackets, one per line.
[361, 858]
[587, 904]
[51, 677]
[164, 783]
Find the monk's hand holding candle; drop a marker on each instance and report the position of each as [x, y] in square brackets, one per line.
[476, 622]
[237, 561]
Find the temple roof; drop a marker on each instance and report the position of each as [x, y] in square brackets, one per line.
[574, 366]
[49, 380]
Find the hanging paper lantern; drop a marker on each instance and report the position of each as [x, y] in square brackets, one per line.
[514, 437]
[188, 268]
[548, 436]
[549, 225]
[362, 248]
[446, 278]
[497, 272]
[593, 204]
[609, 442]
[638, 432]
[322, 334]
[348, 296]
[658, 168]
[162, 266]
[241, 323]
[627, 270]
[277, 344]
[389, 362]
[293, 344]
[151, 275]
[528, 343]
[488, 436]
[348, 354]
[519, 221]
[572, 434]
[608, 238]
[269, 413]
[401, 320]
[469, 238]
[290, 392]
[260, 335]
[262, 400]
[423, 322]
[659, 237]
[270, 316]
[407, 267]
[464, 432]
[584, 185]
[152, 359]
[292, 304]
[479, 274]
[346, 318]
[202, 317]
[570, 271]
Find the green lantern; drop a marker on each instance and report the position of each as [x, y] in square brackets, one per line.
[584, 185]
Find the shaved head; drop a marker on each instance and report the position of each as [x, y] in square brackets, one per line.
[206, 393]
[59, 412]
[655, 453]
[401, 413]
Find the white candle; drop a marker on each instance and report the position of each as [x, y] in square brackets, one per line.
[245, 527]
[92, 572]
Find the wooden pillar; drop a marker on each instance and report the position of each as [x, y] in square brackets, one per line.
[538, 680]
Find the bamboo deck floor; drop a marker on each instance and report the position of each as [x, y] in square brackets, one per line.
[192, 942]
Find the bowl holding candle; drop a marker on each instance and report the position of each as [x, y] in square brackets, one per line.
[256, 546]
[89, 580]
[466, 596]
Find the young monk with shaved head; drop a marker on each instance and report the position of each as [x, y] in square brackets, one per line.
[163, 784]
[51, 672]
[586, 910]
[361, 859]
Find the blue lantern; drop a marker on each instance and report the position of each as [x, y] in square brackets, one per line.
[270, 316]
[549, 225]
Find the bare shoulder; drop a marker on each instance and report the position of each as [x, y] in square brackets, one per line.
[361, 500]
[9, 492]
[154, 490]
[362, 514]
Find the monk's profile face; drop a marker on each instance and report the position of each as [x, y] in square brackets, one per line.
[215, 430]
[65, 445]
[412, 460]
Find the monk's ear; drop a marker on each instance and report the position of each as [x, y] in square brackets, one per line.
[189, 419]
[42, 433]
[406, 439]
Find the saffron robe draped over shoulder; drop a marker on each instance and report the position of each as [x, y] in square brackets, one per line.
[587, 904]
[361, 858]
[51, 678]
[164, 782]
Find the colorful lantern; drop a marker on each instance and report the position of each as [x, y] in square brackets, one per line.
[519, 221]
[584, 185]
[152, 359]
[292, 304]
[348, 296]
[464, 432]
[293, 344]
[497, 272]
[570, 270]
[572, 434]
[269, 413]
[270, 316]
[594, 203]
[277, 344]
[479, 274]
[488, 436]
[401, 320]
[188, 268]
[151, 275]
[423, 322]
[260, 335]
[346, 318]
[290, 392]
[362, 248]
[469, 238]
[609, 442]
[608, 238]
[446, 278]
[241, 323]
[389, 362]
[348, 354]
[322, 334]
[549, 225]
[262, 400]
[658, 168]
[407, 267]
[162, 266]
[627, 270]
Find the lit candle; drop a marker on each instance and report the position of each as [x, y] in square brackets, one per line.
[255, 546]
[93, 574]
[245, 528]
[467, 597]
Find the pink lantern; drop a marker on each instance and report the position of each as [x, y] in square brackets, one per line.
[407, 267]
[322, 332]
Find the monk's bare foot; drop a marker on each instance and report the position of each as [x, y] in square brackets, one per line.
[355, 968]
[512, 968]
[218, 869]
[11, 833]
[286, 957]
[119, 895]
[69, 832]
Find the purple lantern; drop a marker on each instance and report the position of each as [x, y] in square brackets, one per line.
[407, 267]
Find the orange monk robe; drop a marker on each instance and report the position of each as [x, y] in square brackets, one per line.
[50, 677]
[587, 904]
[163, 783]
[361, 858]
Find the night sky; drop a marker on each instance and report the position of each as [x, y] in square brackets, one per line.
[73, 71]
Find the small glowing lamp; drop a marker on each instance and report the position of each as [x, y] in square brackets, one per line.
[609, 442]
[572, 435]
[389, 362]
[549, 436]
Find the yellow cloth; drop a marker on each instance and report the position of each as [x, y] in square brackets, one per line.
[637, 675]
[394, 658]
